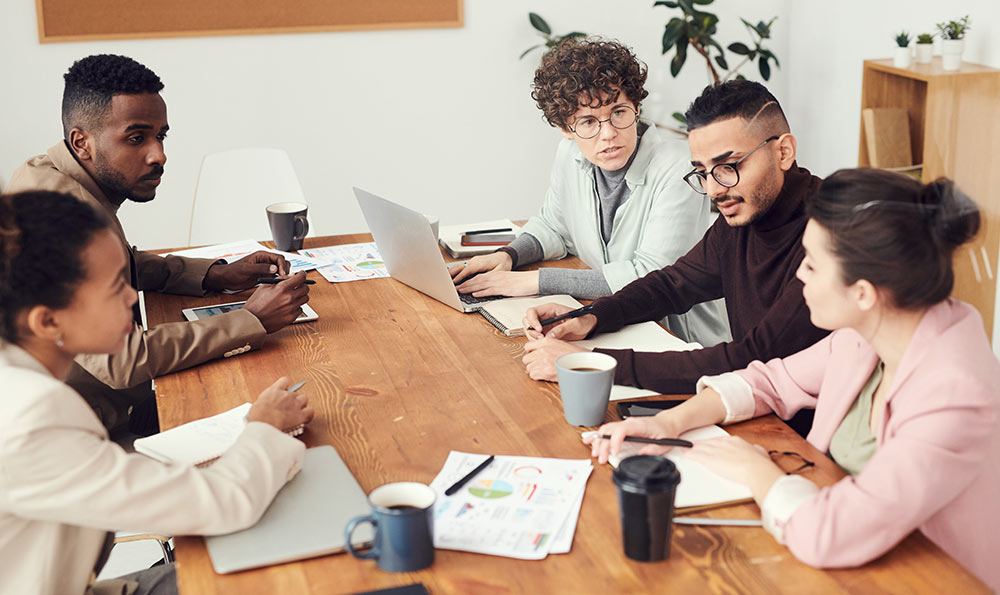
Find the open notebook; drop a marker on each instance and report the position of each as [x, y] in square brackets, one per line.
[700, 488]
[508, 314]
[200, 441]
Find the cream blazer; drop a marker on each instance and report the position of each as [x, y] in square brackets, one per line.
[63, 484]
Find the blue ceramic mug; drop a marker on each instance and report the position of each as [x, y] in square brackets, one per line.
[401, 520]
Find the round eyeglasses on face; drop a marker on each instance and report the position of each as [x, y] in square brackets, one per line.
[726, 174]
[587, 127]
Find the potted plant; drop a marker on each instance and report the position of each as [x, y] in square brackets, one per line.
[902, 57]
[952, 42]
[925, 47]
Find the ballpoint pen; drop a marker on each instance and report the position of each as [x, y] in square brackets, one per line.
[458, 484]
[497, 230]
[660, 441]
[276, 280]
[571, 314]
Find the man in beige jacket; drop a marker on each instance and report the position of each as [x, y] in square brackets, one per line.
[114, 125]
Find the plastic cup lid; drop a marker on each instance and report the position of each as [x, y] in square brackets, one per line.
[647, 473]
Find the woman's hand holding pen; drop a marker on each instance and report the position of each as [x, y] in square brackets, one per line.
[657, 426]
[280, 407]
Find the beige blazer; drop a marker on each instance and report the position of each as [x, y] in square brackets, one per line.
[63, 484]
[167, 347]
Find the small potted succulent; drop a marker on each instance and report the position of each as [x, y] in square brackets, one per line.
[902, 57]
[925, 48]
[952, 42]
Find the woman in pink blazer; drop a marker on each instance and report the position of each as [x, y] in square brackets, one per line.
[906, 389]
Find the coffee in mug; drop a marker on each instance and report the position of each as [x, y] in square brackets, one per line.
[585, 380]
[401, 519]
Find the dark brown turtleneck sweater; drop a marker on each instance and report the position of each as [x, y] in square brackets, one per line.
[752, 267]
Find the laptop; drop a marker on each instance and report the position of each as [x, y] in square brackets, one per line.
[306, 519]
[411, 253]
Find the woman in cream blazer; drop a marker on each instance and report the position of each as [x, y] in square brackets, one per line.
[906, 389]
[63, 484]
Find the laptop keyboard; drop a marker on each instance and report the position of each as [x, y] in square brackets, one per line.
[468, 298]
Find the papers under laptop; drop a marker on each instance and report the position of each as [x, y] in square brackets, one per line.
[411, 251]
[306, 519]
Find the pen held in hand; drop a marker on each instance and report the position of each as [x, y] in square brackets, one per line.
[458, 484]
[571, 314]
[659, 441]
[276, 280]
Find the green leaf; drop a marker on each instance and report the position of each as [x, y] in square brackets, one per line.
[765, 69]
[666, 3]
[574, 35]
[740, 77]
[679, 117]
[703, 2]
[678, 60]
[721, 61]
[529, 50]
[739, 48]
[671, 33]
[539, 23]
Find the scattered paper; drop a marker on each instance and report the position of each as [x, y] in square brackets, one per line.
[234, 251]
[349, 262]
[518, 507]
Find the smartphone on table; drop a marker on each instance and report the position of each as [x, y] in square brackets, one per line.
[487, 239]
[646, 408]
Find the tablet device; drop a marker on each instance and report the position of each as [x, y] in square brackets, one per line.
[201, 312]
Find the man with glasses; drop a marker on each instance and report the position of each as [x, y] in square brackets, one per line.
[744, 161]
[616, 197]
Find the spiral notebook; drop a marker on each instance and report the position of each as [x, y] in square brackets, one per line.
[199, 442]
[508, 314]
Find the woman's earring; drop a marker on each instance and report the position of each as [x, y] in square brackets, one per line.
[59, 341]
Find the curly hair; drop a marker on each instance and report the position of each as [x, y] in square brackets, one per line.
[41, 227]
[589, 72]
[91, 83]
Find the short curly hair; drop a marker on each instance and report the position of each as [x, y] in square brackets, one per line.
[91, 83]
[41, 227]
[577, 73]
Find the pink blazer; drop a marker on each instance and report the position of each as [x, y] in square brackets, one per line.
[937, 463]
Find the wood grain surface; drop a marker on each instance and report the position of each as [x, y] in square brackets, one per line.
[398, 380]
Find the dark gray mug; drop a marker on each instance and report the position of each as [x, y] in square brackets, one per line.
[401, 519]
[289, 224]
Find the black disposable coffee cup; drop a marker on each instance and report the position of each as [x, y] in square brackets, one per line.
[646, 487]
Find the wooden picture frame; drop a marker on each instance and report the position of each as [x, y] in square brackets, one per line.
[88, 20]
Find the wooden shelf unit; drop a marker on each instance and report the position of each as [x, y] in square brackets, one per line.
[954, 122]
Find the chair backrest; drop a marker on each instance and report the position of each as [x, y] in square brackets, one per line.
[233, 189]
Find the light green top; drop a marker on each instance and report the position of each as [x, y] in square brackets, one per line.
[854, 443]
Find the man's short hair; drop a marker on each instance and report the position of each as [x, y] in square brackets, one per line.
[578, 72]
[94, 80]
[744, 99]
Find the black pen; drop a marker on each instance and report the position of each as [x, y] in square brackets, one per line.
[458, 484]
[276, 280]
[571, 314]
[660, 441]
[497, 230]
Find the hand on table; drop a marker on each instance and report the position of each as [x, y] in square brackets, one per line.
[573, 329]
[281, 408]
[645, 427]
[737, 460]
[278, 305]
[541, 353]
[244, 273]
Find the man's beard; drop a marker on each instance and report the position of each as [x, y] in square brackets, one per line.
[114, 182]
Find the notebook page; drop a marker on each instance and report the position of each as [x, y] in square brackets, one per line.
[198, 441]
[508, 314]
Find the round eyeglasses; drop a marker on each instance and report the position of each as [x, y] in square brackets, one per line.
[621, 117]
[726, 174]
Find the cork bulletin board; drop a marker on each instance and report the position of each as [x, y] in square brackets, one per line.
[85, 20]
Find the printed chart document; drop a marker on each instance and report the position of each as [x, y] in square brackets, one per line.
[518, 507]
[645, 336]
[234, 251]
[349, 262]
[450, 236]
[699, 486]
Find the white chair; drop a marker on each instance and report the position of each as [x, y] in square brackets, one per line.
[232, 191]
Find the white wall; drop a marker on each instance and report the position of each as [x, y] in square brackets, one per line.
[440, 119]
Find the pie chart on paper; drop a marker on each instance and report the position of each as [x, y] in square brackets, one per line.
[491, 489]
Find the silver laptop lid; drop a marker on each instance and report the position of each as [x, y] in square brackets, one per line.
[306, 519]
[409, 248]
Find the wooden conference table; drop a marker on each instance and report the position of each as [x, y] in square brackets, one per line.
[398, 380]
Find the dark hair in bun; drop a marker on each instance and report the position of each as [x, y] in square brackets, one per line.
[895, 232]
[41, 237]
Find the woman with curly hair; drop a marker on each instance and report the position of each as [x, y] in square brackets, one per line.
[616, 199]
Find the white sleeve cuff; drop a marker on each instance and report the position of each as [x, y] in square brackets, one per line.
[782, 500]
[737, 396]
